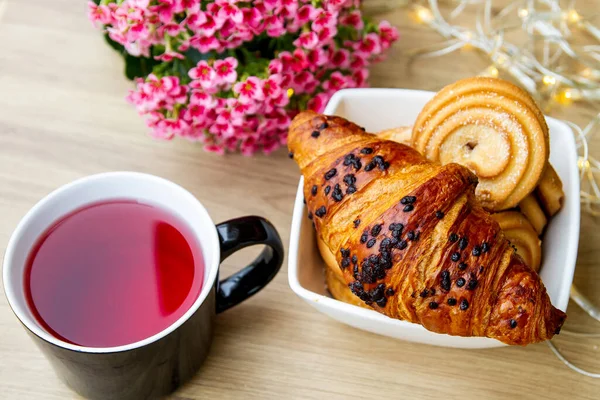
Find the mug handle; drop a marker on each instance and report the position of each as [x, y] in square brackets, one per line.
[235, 235]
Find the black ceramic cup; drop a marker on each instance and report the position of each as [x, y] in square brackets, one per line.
[157, 365]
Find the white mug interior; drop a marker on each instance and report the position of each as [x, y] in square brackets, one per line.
[135, 186]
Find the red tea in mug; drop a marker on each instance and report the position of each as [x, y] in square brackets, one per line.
[113, 273]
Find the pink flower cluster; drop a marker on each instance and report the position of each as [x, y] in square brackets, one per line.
[265, 61]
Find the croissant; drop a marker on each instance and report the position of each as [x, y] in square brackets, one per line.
[410, 238]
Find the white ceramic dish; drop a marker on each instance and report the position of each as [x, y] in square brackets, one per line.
[378, 109]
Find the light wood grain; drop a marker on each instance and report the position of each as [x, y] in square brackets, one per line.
[63, 116]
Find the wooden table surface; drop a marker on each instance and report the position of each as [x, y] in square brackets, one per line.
[63, 116]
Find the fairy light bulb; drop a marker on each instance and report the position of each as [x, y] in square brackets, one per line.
[423, 14]
[564, 97]
[490, 71]
[523, 13]
[571, 16]
[583, 164]
[549, 80]
[586, 72]
[467, 37]
[501, 60]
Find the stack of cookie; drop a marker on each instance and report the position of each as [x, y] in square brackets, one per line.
[496, 130]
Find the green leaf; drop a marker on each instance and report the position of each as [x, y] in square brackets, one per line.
[195, 56]
[135, 67]
[116, 46]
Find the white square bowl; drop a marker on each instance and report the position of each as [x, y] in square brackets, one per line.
[379, 109]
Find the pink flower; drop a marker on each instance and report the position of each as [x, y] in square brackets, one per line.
[353, 19]
[359, 60]
[282, 101]
[291, 6]
[99, 14]
[168, 127]
[240, 110]
[204, 44]
[305, 82]
[165, 9]
[195, 114]
[249, 147]
[170, 29]
[192, 6]
[371, 44]
[138, 3]
[274, 26]
[360, 77]
[326, 34]
[336, 82]
[202, 99]
[184, 46]
[297, 61]
[271, 87]
[160, 87]
[232, 12]
[214, 148]
[275, 66]
[196, 20]
[281, 119]
[225, 70]
[308, 40]
[335, 5]
[341, 59]
[252, 19]
[168, 56]
[317, 57]
[305, 14]
[249, 90]
[209, 27]
[388, 34]
[203, 75]
[271, 5]
[241, 102]
[318, 103]
[227, 29]
[223, 117]
[324, 20]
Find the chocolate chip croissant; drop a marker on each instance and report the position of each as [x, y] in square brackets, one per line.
[410, 238]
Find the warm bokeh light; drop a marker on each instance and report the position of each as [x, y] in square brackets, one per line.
[490, 71]
[549, 80]
[423, 14]
[523, 13]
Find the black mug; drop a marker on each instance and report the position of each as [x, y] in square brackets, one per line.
[157, 365]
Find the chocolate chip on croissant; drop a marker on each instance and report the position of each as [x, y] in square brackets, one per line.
[410, 238]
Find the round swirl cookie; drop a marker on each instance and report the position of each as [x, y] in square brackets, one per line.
[492, 127]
